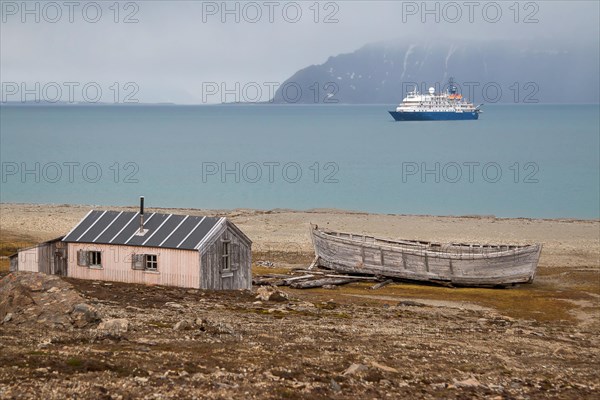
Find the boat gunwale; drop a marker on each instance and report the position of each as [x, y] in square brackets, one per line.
[422, 247]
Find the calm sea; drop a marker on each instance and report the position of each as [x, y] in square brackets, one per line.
[538, 161]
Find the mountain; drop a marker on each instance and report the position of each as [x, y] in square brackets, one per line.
[486, 72]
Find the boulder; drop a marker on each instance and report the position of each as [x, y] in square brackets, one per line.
[40, 299]
[114, 327]
[183, 325]
[83, 315]
[467, 383]
[354, 368]
[172, 304]
[269, 293]
[214, 328]
[7, 318]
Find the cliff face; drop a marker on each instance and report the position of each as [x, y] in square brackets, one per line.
[495, 72]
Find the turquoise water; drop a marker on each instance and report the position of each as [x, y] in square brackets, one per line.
[302, 157]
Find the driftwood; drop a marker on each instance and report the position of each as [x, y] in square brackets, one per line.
[355, 277]
[289, 279]
[311, 271]
[298, 278]
[274, 276]
[261, 281]
[381, 284]
[310, 278]
[321, 282]
[442, 283]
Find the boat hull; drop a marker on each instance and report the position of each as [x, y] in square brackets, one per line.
[460, 265]
[433, 116]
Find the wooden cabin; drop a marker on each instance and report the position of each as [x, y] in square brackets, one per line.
[47, 257]
[156, 249]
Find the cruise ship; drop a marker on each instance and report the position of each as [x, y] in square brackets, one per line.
[449, 105]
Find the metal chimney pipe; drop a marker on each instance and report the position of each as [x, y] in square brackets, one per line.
[141, 214]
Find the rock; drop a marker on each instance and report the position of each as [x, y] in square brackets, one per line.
[114, 327]
[84, 315]
[183, 325]
[468, 383]
[335, 386]
[383, 367]
[268, 293]
[410, 303]
[354, 368]
[277, 310]
[146, 341]
[7, 318]
[330, 287]
[214, 328]
[269, 375]
[438, 386]
[172, 304]
[39, 299]
[265, 263]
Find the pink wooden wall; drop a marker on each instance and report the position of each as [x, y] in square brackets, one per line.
[175, 267]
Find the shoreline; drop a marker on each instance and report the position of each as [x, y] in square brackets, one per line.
[567, 243]
[307, 211]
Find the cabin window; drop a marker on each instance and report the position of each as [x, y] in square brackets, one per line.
[89, 258]
[95, 258]
[151, 262]
[144, 262]
[226, 255]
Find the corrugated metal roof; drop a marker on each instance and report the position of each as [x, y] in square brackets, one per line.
[171, 231]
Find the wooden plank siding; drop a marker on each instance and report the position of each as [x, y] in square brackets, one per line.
[45, 258]
[201, 262]
[28, 260]
[48, 258]
[365, 255]
[175, 267]
[213, 275]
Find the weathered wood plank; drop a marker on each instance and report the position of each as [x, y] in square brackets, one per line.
[382, 284]
[462, 264]
[321, 282]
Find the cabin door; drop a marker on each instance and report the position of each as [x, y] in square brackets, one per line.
[60, 262]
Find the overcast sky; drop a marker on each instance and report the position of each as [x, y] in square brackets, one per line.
[175, 47]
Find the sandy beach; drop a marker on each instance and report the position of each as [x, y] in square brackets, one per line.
[567, 242]
[530, 341]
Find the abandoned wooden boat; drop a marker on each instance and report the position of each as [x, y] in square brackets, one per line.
[454, 263]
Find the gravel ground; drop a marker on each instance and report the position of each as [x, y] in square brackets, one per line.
[92, 340]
